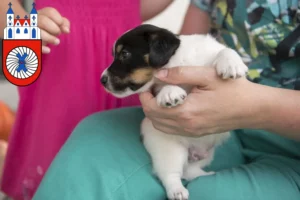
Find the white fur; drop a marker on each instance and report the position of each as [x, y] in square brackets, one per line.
[170, 96]
[169, 153]
[205, 51]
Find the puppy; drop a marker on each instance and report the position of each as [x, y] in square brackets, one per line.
[138, 54]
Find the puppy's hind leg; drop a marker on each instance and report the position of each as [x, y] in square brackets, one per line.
[168, 158]
[168, 166]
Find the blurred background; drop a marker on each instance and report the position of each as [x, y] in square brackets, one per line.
[176, 12]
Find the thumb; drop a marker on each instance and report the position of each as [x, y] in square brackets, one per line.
[145, 97]
[200, 76]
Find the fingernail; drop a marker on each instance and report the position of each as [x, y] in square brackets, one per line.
[56, 41]
[161, 73]
[66, 29]
[46, 50]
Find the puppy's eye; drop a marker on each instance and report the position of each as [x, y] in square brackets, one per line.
[125, 54]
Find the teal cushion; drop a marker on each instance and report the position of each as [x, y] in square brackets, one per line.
[104, 159]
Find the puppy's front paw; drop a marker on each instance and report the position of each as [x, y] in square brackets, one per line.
[171, 96]
[178, 193]
[230, 65]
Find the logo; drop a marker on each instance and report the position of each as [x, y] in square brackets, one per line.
[21, 48]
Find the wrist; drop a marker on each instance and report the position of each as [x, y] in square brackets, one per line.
[266, 103]
[258, 103]
[271, 109]
[282, 113]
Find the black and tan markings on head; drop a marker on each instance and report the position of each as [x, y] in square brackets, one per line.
[137, 54]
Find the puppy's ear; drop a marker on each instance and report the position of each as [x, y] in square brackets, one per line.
[162, 45]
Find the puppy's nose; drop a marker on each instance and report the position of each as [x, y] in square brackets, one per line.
[104, 79]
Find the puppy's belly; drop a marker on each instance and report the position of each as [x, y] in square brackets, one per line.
[197, 148]
[197, 153]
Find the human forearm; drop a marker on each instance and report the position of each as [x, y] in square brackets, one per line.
[278, 111]
[17, 8]
[196, 21]
[284, 112]
[151, 8]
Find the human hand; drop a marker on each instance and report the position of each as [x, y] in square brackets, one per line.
[213, 106]
[51, 24]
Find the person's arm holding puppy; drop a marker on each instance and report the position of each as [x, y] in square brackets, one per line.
[151, 8]
[192, 26]
[216, 105]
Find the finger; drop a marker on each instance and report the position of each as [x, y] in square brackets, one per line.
[165, 122]
[149, 105]
[47, 24]
[46, 50]
[146, 97]
[53, 14]
[201, 76]
[48, 38]
[161, 112]
[65, 27]
[175, 130]
[148, 102]
[165, 129]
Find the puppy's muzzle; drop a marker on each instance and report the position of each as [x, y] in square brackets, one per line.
[104, 80]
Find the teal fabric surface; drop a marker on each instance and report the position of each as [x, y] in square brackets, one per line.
[104, 159]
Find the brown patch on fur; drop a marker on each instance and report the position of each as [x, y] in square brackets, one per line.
[142, 75]
[146, 58]
[119, 48]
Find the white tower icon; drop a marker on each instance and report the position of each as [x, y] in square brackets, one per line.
[10, 16]
[17, 28]
[34, 23]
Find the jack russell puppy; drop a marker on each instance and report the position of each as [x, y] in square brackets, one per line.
[138, 54]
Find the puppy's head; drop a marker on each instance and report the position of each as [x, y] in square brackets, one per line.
[137, 54]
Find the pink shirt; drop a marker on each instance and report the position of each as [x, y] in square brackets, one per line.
[68, 89]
